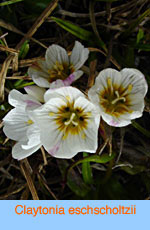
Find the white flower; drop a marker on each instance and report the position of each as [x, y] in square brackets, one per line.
[19, 125]
[119, 95]
[35, 92]
[68, 123]
[58, 69]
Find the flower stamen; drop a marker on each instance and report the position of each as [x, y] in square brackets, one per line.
[109, 82]
[71, 120]
[60, 71]
[118, 98]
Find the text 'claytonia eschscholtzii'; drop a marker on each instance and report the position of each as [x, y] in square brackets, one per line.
[58, 69]
[68, 123]
[119, 95]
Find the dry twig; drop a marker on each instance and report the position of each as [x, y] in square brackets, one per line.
[27, 173]
[29, 34]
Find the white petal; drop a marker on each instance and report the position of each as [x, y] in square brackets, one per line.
[137, 105]
[42, 65]
[136, 79]
[33, 135]
[79, 55]
[86, 105]
[15, 98]
[89, 107]
[19, 153]
[56, 53]
[15, 124]
[65, 93]
[106, 74]
[93, 94]
[36, 92]
[39, 73]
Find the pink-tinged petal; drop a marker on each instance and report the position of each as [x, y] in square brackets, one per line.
[62, 83]
[56, 84]
[68, 81]
[31, 103]
[53, 151]
[114, 123]
[72, 77]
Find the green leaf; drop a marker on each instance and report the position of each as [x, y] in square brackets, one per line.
[73, 29]
[136, 23]
[104, 158]
[24, 50]
[79, 32]
[18, 83]
[141, 46]
[10, 2]
[87, 171]
[2, 42]
[22, 84]
[141, 129]
[140, 36]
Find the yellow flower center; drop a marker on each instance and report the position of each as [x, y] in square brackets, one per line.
[60, 71]
[29, 122]
[115, 99]
[70, 120]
